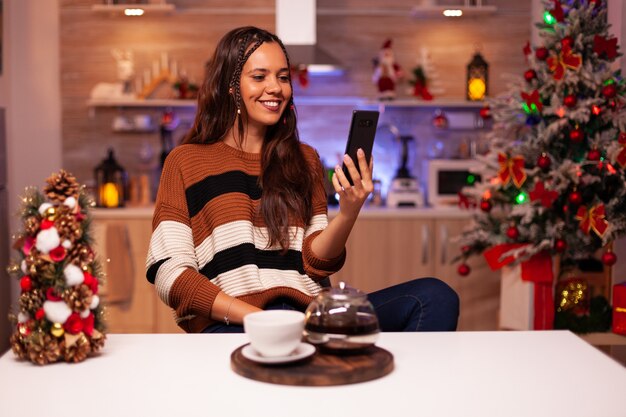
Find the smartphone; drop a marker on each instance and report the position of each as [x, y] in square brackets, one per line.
[362, 133]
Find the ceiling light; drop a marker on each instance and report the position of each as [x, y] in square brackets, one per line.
[453, 13]
[133, 12]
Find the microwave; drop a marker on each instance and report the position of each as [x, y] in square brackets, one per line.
[447, 177]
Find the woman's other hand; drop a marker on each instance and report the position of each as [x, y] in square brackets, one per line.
[352, 197]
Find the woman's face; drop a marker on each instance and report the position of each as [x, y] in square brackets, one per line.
[265, 88]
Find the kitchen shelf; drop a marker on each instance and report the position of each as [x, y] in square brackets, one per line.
[118, 9]
[133, 102]
[429, 12]
[435, 104]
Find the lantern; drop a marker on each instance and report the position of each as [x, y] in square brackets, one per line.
[111, 181]
[477, 78]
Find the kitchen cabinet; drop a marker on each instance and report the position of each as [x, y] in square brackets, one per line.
[386, 247]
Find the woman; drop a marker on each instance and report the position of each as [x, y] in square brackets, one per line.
[240, 220]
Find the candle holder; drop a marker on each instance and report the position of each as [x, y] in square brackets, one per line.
[111, 182]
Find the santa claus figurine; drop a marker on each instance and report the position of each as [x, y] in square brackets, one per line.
[386, 72]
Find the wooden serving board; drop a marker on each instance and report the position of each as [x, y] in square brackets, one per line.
[318, 370]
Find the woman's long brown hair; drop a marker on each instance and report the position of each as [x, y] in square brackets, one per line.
[287, 189]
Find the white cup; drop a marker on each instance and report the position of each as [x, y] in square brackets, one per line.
[274, 333]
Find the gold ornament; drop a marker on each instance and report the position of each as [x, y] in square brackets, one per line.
[57, 330]
[50, 213]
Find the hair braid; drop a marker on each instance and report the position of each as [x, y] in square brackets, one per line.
[241, 60]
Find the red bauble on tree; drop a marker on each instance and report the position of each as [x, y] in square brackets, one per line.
[609, 258]
[464, 269]
[567, 42]
[609, 91]
[541, 53]
[577, 135]
[544, 162]
[530, 75]
[575, 198]
[594, 155]
[570, 100]
[560, 245]
[512, 232]
[485, 112]
[485, 205]
[26, 284]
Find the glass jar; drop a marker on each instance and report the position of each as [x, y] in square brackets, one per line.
[341, 319]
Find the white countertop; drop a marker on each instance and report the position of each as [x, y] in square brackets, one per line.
[366, 213]
[482, 374]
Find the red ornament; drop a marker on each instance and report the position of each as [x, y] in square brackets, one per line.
[560, 245]
[485, 205]
[596, 110]
[464, 270]
[577, 135]
[605, 47]
[52, 295]
[544, 162]
[485, 112]
[26, 284]
[58, 254]
[512, 232]
[46, 224]
[530, 75]
[567, 42]
[609, 258]
[541, 53]
[88, 325]
[594, 155]
[570, 100]
[40, 314]
[73, 324]
[609, 91]
[440, 121]
[91, 282]
[465, 248]
[575, 198]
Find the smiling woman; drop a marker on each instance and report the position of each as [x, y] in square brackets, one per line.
[240, 222]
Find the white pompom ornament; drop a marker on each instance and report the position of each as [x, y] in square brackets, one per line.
[85, 313]
[56, 311]
[70, 202]
[67, 244]
[22, 317]
[23, 267]
[95, 300]
[42, 208]
[73, 275]
[47, 240]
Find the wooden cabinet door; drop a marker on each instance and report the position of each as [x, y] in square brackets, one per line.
[385, 251]
[479, 292]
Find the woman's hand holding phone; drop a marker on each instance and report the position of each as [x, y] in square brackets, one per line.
[352, 197]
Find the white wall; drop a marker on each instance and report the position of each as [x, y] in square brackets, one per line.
[30, 92]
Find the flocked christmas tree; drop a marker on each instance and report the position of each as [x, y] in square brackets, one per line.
[554, 178]
[60, 315]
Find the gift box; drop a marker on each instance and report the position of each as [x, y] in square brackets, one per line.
[619, 308]
[526, 289]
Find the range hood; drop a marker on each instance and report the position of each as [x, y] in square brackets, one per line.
[296, 25]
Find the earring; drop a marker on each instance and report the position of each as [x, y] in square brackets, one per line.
[238, 110]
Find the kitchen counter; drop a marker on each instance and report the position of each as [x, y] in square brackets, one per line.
[451, 212]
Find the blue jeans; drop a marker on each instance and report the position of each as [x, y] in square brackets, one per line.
[420, 305]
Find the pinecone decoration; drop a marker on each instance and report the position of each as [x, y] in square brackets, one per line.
[31, 301]
[80, 255]
[17, 345]
[61, 186]
[76, 348]
[37, 266]
[43, 349]
[78, 298]
[97, 341]
[31, 225]
[67, 225]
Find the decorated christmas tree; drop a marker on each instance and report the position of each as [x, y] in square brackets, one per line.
[60, 316]
[553, 182]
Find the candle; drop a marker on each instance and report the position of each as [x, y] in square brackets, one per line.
[174, 69]
[146, 77]
[109, 195]
[155, 68]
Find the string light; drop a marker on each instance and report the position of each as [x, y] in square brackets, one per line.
[548, 18]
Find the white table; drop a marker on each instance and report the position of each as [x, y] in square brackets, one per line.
[436, 374]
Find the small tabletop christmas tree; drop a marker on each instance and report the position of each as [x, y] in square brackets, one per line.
[60, 316]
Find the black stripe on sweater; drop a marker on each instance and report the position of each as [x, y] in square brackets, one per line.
[247, 254]
[154, 268]
[200, 193]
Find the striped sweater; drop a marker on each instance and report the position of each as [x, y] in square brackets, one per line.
[208, 236]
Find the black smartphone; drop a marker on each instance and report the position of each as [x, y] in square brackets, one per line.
[362, 133]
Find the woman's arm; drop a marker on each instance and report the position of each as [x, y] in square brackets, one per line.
[331, 242]
[230, 310]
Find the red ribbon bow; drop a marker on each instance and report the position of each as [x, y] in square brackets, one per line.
[533, 98]
[565, 59]
[547, 197]
[511, 168]
[558, 12]
[602, 45]
[592, 219]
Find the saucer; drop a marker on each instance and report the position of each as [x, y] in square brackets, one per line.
[303, 350]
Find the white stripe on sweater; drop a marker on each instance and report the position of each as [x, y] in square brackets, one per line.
[250, 279]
